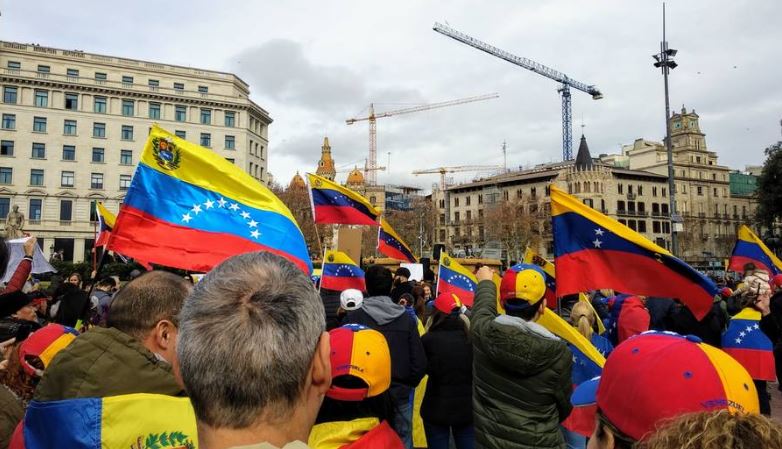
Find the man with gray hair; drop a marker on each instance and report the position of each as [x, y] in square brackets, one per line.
[254, 354]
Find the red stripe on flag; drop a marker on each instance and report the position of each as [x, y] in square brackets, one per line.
[737, 264]
[465, 296]
[581, 420]
[342, 215]
[143, 237]
[759, 364]
[392, 252]
[340, 283]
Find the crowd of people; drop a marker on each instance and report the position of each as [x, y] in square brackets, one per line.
[267, 359]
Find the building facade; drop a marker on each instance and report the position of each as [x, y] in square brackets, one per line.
[74, 125]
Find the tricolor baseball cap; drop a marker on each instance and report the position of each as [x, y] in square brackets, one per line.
[776, 281]
[45, 343]
[362, 353]
[656, 376]
[447, 302]
[351, 299]
[523, 283]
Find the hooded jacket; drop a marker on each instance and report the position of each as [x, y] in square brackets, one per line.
[408, 360]
[522, 385]
[105, 362]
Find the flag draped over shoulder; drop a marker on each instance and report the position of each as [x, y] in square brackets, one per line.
[106, 221]
[453, 278]
[745, 342]
[340, 272]
[128, 421]
[187, 207]
[392, 245]
[531, 257]
[594, 251]
[750, 249]
[335, 204]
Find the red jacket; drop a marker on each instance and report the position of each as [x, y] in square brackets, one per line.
[20, 276]
[633, 319]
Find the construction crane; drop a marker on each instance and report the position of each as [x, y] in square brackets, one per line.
[371, 166]
[540, 69]
[461, 168]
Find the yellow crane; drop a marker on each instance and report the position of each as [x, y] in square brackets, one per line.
[457, 169]
[371, 167]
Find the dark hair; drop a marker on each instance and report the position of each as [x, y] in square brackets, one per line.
[419, 306]
[380, 406]
[517, 308]
[379, 280]
[16, 379]
[107, 281]
[438, 319]
[621, 441]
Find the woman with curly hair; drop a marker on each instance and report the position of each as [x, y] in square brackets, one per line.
[717, 430]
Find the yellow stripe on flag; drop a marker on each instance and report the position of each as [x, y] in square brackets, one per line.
[562, 329]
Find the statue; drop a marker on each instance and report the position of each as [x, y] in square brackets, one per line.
[14, 224]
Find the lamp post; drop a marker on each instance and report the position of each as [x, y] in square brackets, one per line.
[664, 61]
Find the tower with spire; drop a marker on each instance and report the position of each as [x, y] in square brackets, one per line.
[326, 166]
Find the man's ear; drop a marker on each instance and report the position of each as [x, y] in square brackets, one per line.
[165, 334]
[320, 374]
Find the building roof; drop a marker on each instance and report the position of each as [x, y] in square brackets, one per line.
[355, 177]
[583, 158]
[297, 182]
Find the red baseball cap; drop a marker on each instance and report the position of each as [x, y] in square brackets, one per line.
[776, 281]
[656, 376]
[363, 353]
[45, 343]
[446, 302]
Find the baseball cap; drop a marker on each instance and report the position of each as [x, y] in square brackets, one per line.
[776, 281]
[446, 302]
[11, 303]
[45, 343]
[351, 299]
[362, 353]
[656, 376]
[726, 292]
[524, 283]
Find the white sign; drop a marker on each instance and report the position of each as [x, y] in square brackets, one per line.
[16, 253]
[416, 271]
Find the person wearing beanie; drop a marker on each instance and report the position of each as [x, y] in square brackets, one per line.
[447, 405]
[357, 411]
[402, 284]
[522, 379]
[17, 315]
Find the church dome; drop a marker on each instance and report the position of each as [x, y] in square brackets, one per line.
[297, 182]
[355, 178]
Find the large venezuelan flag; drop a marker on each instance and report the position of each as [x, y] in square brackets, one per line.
[594, 251]
[391, 244]
[335, 204]
[106, 221]
[750, 249]
[562, 329]
[188, 207]
[453, 278]
[341, 273]
[745, 342]
[135, 421]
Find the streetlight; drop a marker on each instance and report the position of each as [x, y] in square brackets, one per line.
[664, 61]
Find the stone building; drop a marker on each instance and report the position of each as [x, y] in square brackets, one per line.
[74, 125]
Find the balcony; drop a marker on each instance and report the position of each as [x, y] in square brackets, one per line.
[631, 196]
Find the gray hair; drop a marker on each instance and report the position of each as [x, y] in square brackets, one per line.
[248, 333]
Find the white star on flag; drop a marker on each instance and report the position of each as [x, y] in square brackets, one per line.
[255, 234]
[599, 231]
[742, 334]
[209, 204]
[749, 328]
[186, 217]
[196, 209]
[757, 326]
[738, 340]
[597, 243]
[252, 223]
[221, 202]
[234, 206]
[245, 215]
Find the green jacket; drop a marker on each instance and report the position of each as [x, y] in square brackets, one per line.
[105, 362]
[521, 386]
[11, 413]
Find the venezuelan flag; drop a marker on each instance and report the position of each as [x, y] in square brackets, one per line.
[453, 278]
[749, 248]
[188, 207]
[340, 272]
[106, 221]
[562, 329]
[596, 252]
[135, 421]
[745, 342]
[391, 244]
[531, 257]
[335, 204]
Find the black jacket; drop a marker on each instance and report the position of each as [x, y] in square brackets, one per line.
[709, 329]
[771, 324]
[408, 361]
[448, 398]
[330, 300]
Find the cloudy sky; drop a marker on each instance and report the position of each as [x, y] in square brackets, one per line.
[313, 64]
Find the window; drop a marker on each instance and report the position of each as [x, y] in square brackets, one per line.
[14, 65]
[96, 181]
[467, 200]
[154, 84]
[656, 227]
[456, 202]
[39, 151]
[127, 81]
[44, 69]
[641, 225]
[72, 102]
[5, 205]
[206, 116]
[206, 140]
[72, 73]
[35, 207]
[620, 207]
[640, 190]
[9, 121]
[230, 143]
[666, 227]
[480, 198]
[99, 130]
[6, 175]
[179, 87]
[99, 105]
[68, 153]
[715, 192]
[98, 154]
[456, 217]
[654, 191]
[66, 210]
[100, 77]
[42, 98]
[700, 191]
[180, 113]
[154, 111]
[128, 107]
[126, 157]
[664, 192]
[66, 179]
[181, 134]
[230, 119]
[203, 89]
[6, 148]
[620, 188]
[9, 95]
[124, 182]
[69, 128]
[36, 177]
[127, 132]
[39, 124]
